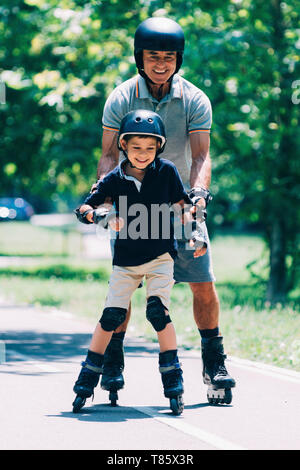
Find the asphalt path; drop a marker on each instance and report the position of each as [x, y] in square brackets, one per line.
[43, 351]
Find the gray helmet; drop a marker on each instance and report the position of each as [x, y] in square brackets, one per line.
[143, 122]
[158, 34]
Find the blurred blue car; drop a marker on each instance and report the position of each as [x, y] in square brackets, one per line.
[15, 208]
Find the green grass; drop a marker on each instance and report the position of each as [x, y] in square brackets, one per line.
[251, 329]
[24, 239]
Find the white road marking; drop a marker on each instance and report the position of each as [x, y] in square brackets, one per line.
[266, 369]
[194, 431]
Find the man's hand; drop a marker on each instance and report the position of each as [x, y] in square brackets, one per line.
[198, 240]
[191, 212]
[198, 211]
[200, 251]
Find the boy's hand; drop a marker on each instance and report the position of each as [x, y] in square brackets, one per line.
[116, 223]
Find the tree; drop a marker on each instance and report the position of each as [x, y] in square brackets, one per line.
[60, 59]
[245, 56]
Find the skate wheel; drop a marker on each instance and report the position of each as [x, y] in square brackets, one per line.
[213, 400]
[177, 405]
[113, 396]
[228, 396]
[78, 403]
[217, 396]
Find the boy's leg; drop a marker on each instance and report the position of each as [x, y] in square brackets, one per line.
[92, 367]
[159, 279]
[100, 339]
[122, 284]
[112, 317]
[89, 375]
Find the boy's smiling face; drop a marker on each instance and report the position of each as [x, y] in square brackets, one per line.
[141, 151]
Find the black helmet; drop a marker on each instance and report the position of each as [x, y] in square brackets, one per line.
[158, 34]
[143, 122]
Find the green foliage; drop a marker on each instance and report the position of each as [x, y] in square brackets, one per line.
[60, 271]
[60, 59]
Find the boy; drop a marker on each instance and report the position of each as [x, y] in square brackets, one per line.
[142, 182]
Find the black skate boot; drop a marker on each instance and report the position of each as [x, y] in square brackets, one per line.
[112, 379]
[214, 372]
[171, 375]
[87, 380]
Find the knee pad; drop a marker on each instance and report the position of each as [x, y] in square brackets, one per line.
[155, 313]
[112, 317]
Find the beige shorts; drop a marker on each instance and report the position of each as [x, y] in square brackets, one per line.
[125, 279]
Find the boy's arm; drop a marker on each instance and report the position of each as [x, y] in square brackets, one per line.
[94, 209]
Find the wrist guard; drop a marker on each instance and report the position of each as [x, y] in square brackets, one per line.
[195, 194]
[82, 216]
[198, 236]
[102, 216]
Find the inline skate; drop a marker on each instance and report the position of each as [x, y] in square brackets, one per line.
[171, 375]
[214, 372]
[112, 378]
[84, 386]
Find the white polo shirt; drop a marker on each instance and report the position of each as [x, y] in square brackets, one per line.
[186, 109]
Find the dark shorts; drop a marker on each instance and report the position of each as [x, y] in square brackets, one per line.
[190, 269]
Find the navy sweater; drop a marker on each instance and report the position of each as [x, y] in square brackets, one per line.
[145, 235]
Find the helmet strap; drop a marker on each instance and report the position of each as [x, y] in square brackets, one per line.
[132, 166]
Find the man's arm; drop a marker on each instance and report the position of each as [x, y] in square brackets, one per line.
[110, 153]
[201, 164]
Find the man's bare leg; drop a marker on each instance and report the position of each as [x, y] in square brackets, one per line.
[206, 313]
[206, 306]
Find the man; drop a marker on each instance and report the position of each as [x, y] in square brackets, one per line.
[186, 112]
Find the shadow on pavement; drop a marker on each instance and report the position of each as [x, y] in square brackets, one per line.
[21, 345]
[107, 413]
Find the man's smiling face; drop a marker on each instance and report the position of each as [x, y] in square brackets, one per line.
[159, 66]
